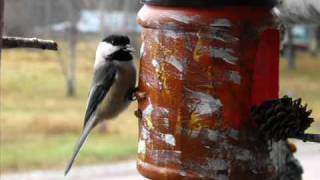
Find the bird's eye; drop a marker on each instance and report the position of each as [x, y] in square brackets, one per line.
[112, 42]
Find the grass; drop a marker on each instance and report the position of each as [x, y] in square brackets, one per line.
[55, 151]
[40, 125]
[303, 82]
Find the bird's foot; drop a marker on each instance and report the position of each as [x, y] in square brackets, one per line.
[132, 93]
[138, 114]
[135, 94]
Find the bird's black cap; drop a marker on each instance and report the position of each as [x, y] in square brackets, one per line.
[209, 3]
[117, 40]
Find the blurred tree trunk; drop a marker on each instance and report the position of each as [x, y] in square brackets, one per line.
[127, 4]
[74, 8]
[102, 18]
[291, 54]
[103, 127]
[314, 44]
[47, 18]
[71, 84]
[1, 26]
[318, 40]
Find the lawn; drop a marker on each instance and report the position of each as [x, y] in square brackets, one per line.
[303, 82]
[40, 125]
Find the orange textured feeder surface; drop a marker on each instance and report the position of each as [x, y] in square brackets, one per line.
[202, 70]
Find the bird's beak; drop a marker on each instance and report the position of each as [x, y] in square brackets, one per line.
[129, 48]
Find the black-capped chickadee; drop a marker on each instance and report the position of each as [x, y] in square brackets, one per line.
[112, 86]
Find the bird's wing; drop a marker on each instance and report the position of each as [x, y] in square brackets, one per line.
[102, 83]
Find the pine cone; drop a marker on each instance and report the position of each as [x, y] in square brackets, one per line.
[281, 119]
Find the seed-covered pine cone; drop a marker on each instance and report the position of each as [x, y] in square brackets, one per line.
[281, 119]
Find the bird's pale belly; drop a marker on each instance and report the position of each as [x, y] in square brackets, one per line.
[114, 102]
[117, 99]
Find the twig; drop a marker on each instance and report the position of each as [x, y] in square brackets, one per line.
[309, 137]
[19, 42]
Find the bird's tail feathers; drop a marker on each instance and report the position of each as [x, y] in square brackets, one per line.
[88, 127]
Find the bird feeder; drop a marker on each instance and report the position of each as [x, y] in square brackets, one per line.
[204, 64]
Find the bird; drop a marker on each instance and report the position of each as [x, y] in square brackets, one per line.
[112, 88]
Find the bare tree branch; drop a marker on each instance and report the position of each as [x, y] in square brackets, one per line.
[298, 11]
[18, 42]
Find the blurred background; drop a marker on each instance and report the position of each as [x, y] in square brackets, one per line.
[44, 93]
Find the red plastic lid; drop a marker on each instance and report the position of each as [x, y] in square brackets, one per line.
[210, 3]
